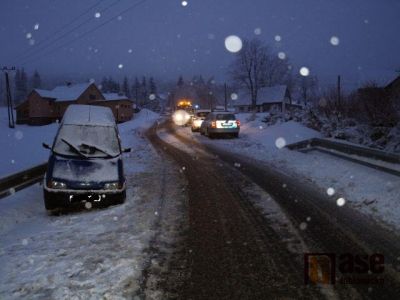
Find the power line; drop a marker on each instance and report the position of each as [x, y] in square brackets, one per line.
[60, 29]
[87, 32]
[72, 30]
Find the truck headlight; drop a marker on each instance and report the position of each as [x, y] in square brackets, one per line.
[56, 184]
[112, 186]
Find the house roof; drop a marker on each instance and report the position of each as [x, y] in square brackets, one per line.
[88, 115]
[114, 96]
[65, 92]
[270, 94]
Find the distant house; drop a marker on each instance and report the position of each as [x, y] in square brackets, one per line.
[268, 98]
[120, 105]
[393, 88]
[46, 106]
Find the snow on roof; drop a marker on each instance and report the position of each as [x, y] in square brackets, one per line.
[65, 92]
[44, 93]
[114, 96]
[88, 115]
[265, 95]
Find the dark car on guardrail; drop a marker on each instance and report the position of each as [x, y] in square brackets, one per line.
[85, 164]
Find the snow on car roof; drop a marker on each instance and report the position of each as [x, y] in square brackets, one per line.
[88, 115]
[265, 95]
[65, 92]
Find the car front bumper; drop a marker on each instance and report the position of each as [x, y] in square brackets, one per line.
[58, 198]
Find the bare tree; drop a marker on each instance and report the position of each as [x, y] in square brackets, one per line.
[255, 67]
[307, 87]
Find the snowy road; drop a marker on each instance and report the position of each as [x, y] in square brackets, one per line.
[250, 225]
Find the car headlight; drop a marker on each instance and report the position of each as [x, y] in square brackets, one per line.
[56, 184]
[112, 186]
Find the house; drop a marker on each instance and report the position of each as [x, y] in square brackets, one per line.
[46, 106]
[393, 88]
[120, 105]
[268, 98]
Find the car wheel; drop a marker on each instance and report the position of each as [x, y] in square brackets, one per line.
[121, 198]
[48, 202]
[236, 135]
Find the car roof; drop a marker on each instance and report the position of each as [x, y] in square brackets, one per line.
[88, 115]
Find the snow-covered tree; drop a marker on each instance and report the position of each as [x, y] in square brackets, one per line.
[21, 86]
[152, 86]
[136, 90]
[180, 82]
[36, 81]
[144, 91]
[125, 87]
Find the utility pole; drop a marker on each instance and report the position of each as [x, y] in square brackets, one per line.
[226, 98]
[10, 108]
[338, 90]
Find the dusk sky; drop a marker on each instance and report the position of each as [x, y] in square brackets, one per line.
[164, 38]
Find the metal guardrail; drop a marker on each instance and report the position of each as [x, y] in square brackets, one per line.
[22, 179]
[350, 152]
[347, 148]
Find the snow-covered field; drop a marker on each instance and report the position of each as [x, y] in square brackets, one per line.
[87, 254]
[21, 147]
[373, 192]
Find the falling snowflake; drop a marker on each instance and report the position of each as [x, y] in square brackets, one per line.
[234, 96]
[257, 31]
[88, 205]
[278, 38]
[31, 42]
[18, 135]
[280, 142]
[303, 226]
[97, 15]
[36, 27]
[156, 213]
[334, 40]
[184, 3]
[233, 43]
[152, 97]
[120, 66]
[115, 218]
[24, 242]
[308, 219]
[13, 161]
[130, 51]
[304, 71]
[340, 202]
[119, 18]
[29, 35]
[282, 55]
[330, 191]
[260, 127]
[237, 165]
[284, 185]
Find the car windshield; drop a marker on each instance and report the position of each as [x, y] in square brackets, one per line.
[202, 114]
[87, 141]
[225, 117]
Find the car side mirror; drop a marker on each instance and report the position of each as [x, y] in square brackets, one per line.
[46, 146]
[126, 150]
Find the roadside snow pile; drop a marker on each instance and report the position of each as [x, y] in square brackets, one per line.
[21, 147]
[274, 137]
